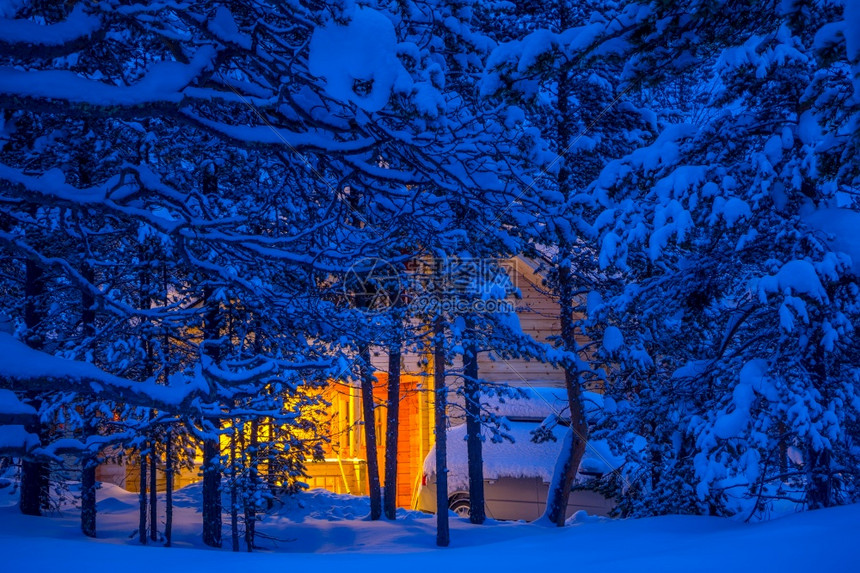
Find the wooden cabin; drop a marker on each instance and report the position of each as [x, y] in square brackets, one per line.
[345, 467]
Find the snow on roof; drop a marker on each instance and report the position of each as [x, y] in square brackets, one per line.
[538, 403]
[522, 457]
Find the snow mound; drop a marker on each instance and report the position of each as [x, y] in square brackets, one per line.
[612, 339]
[10, 404]
[794, 277]
[359, 60]
[843, 225]
[323, 505]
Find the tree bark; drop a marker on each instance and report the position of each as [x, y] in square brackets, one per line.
[819, 489]
[443, 538]
[211, 446]
[88, 463]
[819, 482]
[571, 457]
[168, 488]
[374, 488]
[392, 424]
[211, 493]
[234, 492]
[88, 497]
[474, 444]
[153, 493]
[251, 498]
[141, 529]
[35, 475]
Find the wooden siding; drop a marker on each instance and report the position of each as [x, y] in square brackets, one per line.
[126, 474]
[347, 445]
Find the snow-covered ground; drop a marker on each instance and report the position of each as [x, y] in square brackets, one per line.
[326, 532]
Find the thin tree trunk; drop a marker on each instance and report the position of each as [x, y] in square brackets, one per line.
[251, 498]
[374, 487]
[819, 488]
[88, 463]
[819, 483]
[270, 456]
[153, 493]
[472, 391]
[392, 430]
[88, 497]
[443, 538]
[144, 303]
[211, 493]
[168, 488]
[571, 456]
[142, 523]
[234, 493]
[35, 476]
[211, 446]
[782, 448]
[168, 433]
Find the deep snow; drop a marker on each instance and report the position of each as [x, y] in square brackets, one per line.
[327, 532]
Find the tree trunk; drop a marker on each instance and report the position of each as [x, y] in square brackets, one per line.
[35, 475]
[392, 424]
[88, 463]
[141, 529]
[234, 492]
[211, 445]
[168, 488]
[374, 488]
[271, 476]
[819, 482]
[251, 498]
[570, 457]
[88, 497]
[443, 538]
[168, 432]
[474, 443]
[153, 493]
[819, 489]
[211, 493]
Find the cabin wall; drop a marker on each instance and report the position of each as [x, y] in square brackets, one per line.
[344, 469]
[126, 474]
[537, 311]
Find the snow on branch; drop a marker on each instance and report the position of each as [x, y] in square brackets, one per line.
[25, 369]
[270, 135]
[163, 83]
[78, 26]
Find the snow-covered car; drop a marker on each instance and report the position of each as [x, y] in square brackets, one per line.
[517, 473]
